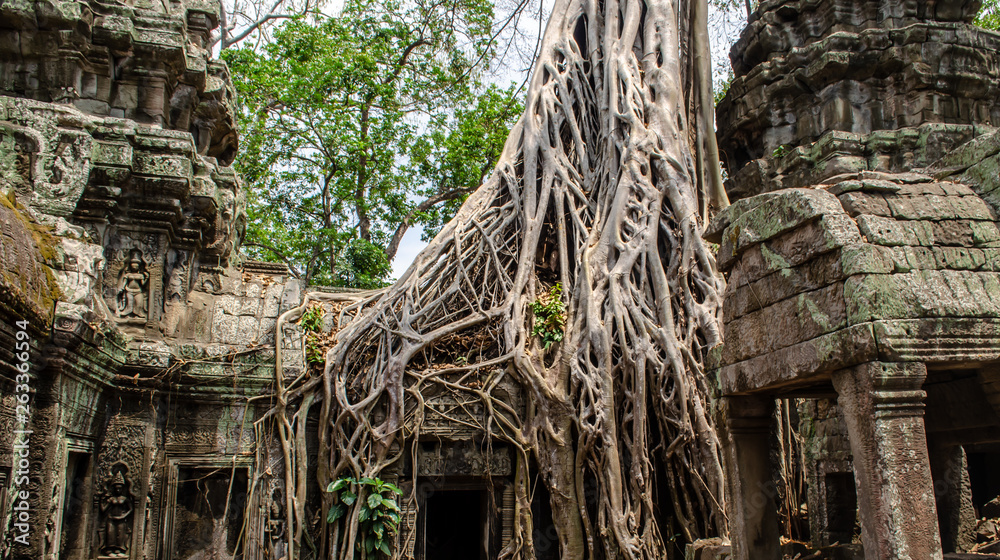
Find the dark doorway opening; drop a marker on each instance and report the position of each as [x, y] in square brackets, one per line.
[544, 533]
[73, 544]
[983, 469]
[841, 506]
[208, 518]
[454, 527]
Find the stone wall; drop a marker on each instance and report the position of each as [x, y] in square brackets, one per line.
[824, 88]
[862, 255]
[120, 222]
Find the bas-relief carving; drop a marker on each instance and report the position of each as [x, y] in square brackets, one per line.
[50, 161]
[175, 291]
[195, 428]
[51, 536]
[80, 277]
[274, 525]
[7, 426]
[462, 416]
[209, 282]
[116, 507]
[463, 459]
[132, 263]
[131, 293]
[123, 445]
[192, 438]
[152, 515]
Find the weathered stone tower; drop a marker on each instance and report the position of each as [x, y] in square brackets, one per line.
[863, 260]
[145, 332]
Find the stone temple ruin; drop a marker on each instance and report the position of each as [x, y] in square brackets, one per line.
[149, 334]
[862, 254]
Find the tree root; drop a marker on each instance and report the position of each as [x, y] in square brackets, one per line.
[596, 189]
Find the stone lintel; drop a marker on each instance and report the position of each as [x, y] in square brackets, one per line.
[940, 341]
[804, 364]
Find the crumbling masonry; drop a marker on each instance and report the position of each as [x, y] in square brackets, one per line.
[863, 263]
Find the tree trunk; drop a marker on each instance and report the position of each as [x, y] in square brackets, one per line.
[595, 190]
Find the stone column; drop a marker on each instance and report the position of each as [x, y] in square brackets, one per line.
[953, 491]
[754, 529]
[883, 407]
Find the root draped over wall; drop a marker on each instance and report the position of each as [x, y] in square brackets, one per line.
[597, 189]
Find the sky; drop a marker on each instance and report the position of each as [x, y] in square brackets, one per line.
[724, 27]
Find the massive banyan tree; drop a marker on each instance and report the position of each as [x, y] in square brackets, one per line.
[598, 203]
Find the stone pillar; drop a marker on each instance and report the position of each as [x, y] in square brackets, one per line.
[953, 492]
[883, 406]
[754, 528]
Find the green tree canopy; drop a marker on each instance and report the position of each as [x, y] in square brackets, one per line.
[349, 137]
[989, 15]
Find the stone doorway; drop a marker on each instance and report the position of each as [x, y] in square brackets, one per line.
[454, 526]
[206, 517]
[460, 521]
[75, 510]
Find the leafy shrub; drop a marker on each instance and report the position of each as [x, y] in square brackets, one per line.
[550, 316]
[312, 323]
[378, 519]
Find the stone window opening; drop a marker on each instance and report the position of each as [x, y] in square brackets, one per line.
[984, 476]
[841, 507]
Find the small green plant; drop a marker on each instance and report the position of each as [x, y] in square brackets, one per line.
[779, 152]
[378, 519]
[312, 319]
[550, 316]
[314, 352]
[312, 323]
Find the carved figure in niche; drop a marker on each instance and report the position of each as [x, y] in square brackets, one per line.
[175, 295]
[274, 528]
[116, 511]
[50, 524]
[133, 282]
[175, 284]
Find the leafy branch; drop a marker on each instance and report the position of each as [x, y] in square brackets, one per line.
[550, 316]
[378, 518]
